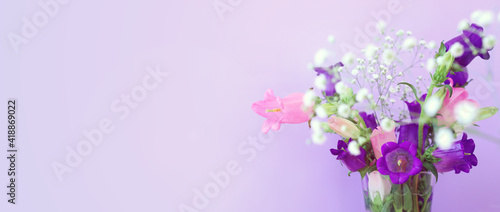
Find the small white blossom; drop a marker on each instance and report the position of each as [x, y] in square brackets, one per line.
[344, 110]
[309, 98]
[431, 65]
[375, 76]
[444, 138]
[409, 33]
[400, 32]
[341, 88]
[318, 138]
[457, 49]
[463, 25]
[370, 51]
[439, 60]
[316, 125]
[465, 112]
[353, 81]
[362, 94]
[320, 82]
[320, 57]
[432, 105]
[354, 72]
[392, 89]
[431, 45]
[331, 39]
[381, 26]
[483, 18]
[321, 112]
[362, 140]
[409, 43]
[389, 77]
[353, 148]
[422, 43]
[388, 56]
[348, 58]
[489, 42]
[387, 124]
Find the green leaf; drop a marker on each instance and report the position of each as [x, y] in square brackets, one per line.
[367, 169]
[398, 197]
[442, 50]
[431, 168]
[407, 203]
[388, 204]
[449, 89]
[485, 112]
[413, 89]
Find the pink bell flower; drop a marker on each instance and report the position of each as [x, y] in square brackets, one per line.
[447, 117]
[379, 137]
[281, 110]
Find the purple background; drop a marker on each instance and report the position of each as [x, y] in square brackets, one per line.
[91, 52]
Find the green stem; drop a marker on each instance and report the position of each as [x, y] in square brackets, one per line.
[421, 121]
[415, 198]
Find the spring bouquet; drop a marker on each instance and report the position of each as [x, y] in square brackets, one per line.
[396, 129]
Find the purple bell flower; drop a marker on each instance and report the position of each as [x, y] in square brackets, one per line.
[331, 79]
[353, 163]
[459, 78]
[474, 36]
[399, 161]
[409, 132]
[369, 120]
[414, 108]
[459, 158]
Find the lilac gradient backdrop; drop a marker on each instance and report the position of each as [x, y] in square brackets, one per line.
[91, 52]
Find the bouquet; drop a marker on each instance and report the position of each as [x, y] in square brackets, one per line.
[396, 129]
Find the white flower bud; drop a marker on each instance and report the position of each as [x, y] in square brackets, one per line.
[321, 112]
[431, 45]
[463, 25]
[318, 138]
[308, 99]
[388, 56]
[431, 65]
[370, 51]
[354, 72]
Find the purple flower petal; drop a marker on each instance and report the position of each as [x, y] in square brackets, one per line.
[369, 120]
[388, 147]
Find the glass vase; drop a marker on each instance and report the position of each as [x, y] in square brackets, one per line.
[381, 195]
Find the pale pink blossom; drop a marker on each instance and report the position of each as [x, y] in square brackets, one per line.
[343, 127]
[281, 110]
[447, 117]
[379, 137]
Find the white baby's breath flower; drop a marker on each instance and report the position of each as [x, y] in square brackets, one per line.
[387, 124]
[321, 112]
[341, 88]
[389, 77]
[431, 65]
[381, 26]
[354, 72]
[489, 42]
[409, 33]
[320, 57]
[463, 25]
[362, 94]
[409, 43]
[344, 110]
[318, 138]
[320, 82]
[353, 148]
[444, 138]
[392, 89]
[308, 99]
[439, 60]
[316, 125]
[465, 112]
[388, 56]
[400, 32]
[482, 17]
[348, 58]
[422, 42]
[431, 45]
[370, 51]
[432, 105]
[375, 76]
[362, 140]
[457, 49]
[331, 39]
